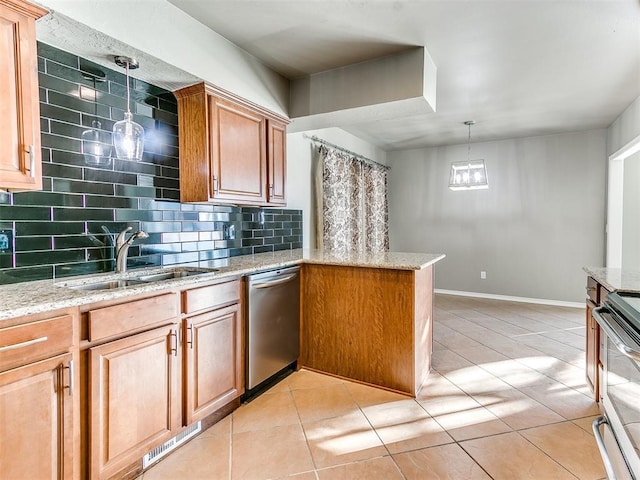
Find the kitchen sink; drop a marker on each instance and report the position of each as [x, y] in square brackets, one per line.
[107, 285]
[157, 277]
[142, 279]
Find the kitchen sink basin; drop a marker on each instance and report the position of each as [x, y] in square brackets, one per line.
[157, 277]
[141, 280]
[107, 285]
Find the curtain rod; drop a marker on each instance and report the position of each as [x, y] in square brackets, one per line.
[338, 147]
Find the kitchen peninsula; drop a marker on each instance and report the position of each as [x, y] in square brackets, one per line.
[365, 317]
[176, 344]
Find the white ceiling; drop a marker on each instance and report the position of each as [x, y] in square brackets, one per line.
[516, 67]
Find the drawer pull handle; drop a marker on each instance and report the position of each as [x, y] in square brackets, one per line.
[70, 386]
[28, 343]
[215, 184]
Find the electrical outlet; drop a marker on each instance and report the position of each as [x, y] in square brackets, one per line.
[483, 275]
[6, 241]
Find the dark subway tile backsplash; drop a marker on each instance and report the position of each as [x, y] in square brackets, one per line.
[69, 227]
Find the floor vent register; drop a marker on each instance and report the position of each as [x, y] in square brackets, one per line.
[171, 444]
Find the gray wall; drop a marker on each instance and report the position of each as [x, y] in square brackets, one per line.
[539, 222]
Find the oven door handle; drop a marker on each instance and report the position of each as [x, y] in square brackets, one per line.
[608, 466]
[616, 334]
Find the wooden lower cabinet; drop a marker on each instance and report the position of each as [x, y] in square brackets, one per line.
[134, 398]
[213, 361]
[154, 365]
[36, 421]
[591, 349]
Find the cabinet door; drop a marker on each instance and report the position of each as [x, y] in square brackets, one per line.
[134, 395]
[36, 421]
[20, 159]
[277, 135]
[592, 349]
[214, 361]
[238, 157]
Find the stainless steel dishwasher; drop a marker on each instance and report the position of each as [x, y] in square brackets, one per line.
[273, 324]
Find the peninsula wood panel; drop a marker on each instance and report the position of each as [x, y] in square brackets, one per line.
[360, 323]
[423, 335]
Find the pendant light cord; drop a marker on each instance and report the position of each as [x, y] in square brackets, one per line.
[129, 98]
[469, 146]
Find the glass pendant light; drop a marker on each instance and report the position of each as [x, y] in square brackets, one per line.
[128, 136]
[95, 147]
[469, 175]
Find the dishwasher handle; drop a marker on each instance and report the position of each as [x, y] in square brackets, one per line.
[273, 283]
[606, 461]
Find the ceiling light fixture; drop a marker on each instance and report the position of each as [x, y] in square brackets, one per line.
[469, 175]
[128, 136]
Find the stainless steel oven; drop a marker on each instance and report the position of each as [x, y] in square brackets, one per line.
[618, 430]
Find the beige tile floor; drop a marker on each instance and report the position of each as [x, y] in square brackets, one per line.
[506, 400]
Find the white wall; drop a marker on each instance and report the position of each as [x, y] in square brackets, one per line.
[623, 202]
[539, 222]
[625, 128]
[158, 28]
[302, 155]
[631, 213]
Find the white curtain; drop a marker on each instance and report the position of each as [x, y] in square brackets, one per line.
[352, 204]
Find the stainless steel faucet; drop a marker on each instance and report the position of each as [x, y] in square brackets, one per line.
[122, 247]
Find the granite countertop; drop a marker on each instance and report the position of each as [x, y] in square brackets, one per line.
[27, 298]
[616, 278]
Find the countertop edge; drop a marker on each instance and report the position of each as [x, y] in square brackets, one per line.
[65, 297]
[615, 279]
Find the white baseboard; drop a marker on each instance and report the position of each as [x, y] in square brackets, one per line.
[539, 301]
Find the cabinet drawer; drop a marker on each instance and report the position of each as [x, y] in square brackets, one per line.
[35, 341]
[593, 290]
[206, 298]
[125, 317]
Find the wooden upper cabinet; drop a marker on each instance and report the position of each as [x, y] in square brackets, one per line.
[20, 158]
[277, 162]
[238, 156]
[231, 151]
